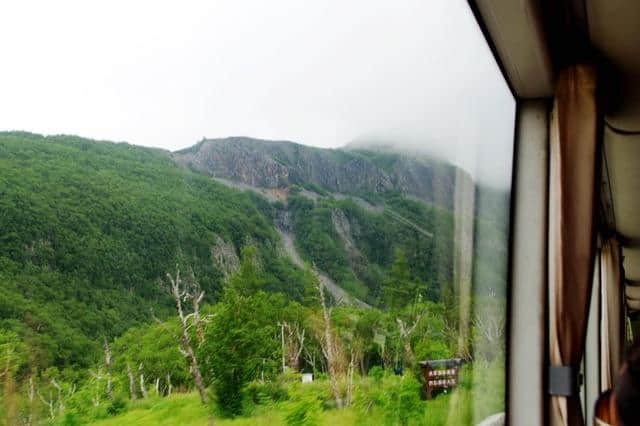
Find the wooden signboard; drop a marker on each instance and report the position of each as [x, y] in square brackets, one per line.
[440, 374]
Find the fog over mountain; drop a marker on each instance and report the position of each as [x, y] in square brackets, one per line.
[319, 73]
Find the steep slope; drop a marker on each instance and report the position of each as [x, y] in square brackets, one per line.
[279, 164]
[90, 228]
[379, 181]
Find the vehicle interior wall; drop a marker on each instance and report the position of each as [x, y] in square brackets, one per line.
[614, 32]
[533, 41]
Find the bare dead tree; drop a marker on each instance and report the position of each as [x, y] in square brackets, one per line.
[31, 393]
[143, 389]
[157, 386]
[310, 358]
[405, 337]
[179, 293]
[282, 347]
[60, 400]
[49, 403]
[169, 387]
[294, 336]
[107, 367]
[97, 376]
[132, 384]
[450, 330]
[328, 347]
[490, 327]
[195, 294]
[292, 343]
[350, 379]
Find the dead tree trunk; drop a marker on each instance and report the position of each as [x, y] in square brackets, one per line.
[107, 367]
[157, 387]
[49, 403]
[186, 349]
[132, 384]
[60, 399]
[31, 395]
[143, 389]
[350, 379]
[97, 376]
[310, 358]
[195, 294]
[284, 366]
[169, 387]
[405, 337]
[292, 344]
[328, 347]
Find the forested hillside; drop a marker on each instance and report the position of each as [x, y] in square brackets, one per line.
[88, 229]
[93, 233]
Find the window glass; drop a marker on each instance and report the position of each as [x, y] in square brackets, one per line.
[308, 222]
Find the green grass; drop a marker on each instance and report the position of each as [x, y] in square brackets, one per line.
[465, 406]
[179, 409]
[186, 410]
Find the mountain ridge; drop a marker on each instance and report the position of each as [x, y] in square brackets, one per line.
[279, 164]
[91, 226]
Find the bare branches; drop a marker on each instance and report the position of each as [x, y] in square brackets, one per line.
[405, 336]
[328, 347]
[60, 401]
[491, 327]
[31, 395]
[49, 403]
[292, 341]
[169, 387]
[190, 291]
[97, 376]
[132, 385]
[143, 389]
[194, 293]
[107, 367]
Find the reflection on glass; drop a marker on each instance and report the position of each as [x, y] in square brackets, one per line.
[355, 275]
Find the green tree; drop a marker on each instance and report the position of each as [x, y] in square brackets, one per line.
[241, 344]
[248, 279]
[398, 288]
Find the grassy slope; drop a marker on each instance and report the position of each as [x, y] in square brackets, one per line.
[186, 410]
[89, 227]
[479, 395]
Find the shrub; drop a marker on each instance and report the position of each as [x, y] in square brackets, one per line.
[396, 398]
[303, 412]
[264, 393]
[117, 406]
[376, 373]
[403, 404]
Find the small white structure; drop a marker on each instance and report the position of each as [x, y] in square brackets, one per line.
[307, 377]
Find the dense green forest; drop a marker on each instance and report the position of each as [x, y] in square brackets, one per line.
[93, 233]
[88, 228]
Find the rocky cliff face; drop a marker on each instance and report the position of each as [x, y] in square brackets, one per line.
[279, 164]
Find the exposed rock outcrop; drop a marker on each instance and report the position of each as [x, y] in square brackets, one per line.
[224, 256]
[280, 164]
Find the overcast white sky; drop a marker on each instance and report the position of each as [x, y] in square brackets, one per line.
[321, 73]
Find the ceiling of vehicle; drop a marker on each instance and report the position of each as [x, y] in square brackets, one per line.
[614, 32]
[519, 34]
